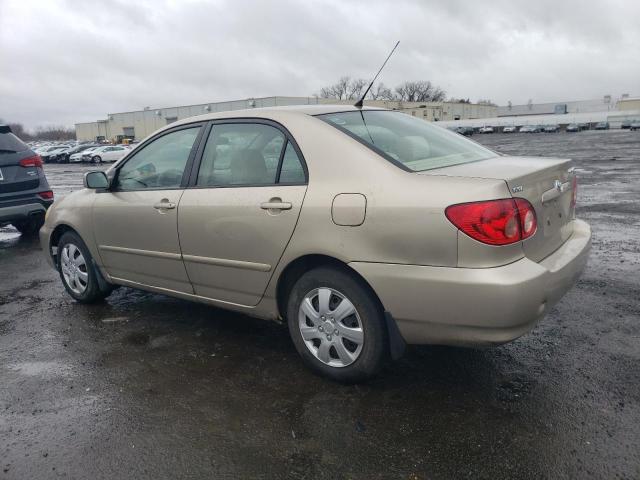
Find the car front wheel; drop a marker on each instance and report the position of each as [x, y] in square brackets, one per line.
[77, 270]
[97, 159]
[337, 325]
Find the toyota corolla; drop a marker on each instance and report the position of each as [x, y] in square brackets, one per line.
[363, 229]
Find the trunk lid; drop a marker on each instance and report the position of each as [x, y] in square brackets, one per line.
[545, 182]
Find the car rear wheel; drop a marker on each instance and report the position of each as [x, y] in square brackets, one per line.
[337, 325]
[78, 272]
[30, 227]
[97, 159]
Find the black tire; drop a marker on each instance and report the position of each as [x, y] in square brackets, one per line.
[375, 347]
[95, 290]
[30, 227]
[97, 159]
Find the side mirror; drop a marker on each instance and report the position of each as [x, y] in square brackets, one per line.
[96, 180]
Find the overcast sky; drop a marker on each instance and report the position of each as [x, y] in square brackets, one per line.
[63, 62]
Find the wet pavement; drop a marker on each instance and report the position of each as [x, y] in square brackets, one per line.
[146, 386]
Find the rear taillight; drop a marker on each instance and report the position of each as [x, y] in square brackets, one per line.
[48, 195]
[528, 220]
[495, 222]
[34, 161]
[574, 194]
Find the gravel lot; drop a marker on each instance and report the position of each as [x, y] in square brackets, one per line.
[145, 386]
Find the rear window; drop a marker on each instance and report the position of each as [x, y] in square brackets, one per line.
[9, 143]
[409, 142]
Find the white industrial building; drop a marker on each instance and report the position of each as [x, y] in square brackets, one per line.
[593, 111]
[136, 125]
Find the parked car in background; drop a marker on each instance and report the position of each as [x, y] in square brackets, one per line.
[78, 156]
[295, 213]
[49, 154]
[509, 129]
[551, 128]
[79, 150]
[62, 155]
[65, 155]
[485, 129]
[625, 125]
[466, 131]
[107, 153]
[602, 126]
[531, 129]
[635, 125]
[25, 194]
[585, 126]
[573, 127]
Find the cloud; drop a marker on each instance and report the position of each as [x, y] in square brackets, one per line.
[72, 61]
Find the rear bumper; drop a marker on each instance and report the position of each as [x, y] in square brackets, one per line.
[22, 210]
[476, 306]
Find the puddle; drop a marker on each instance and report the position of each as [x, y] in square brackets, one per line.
[8, 236]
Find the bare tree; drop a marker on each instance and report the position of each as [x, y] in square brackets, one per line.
[380, 92]
[420, 91]
[42, 133]
[54, 133]
[18, 130]
[459, 100]
[344, 89]
[356, 87]
[352, 89]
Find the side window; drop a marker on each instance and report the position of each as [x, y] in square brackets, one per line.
[160, 164]
[292, 170]
[241, 154]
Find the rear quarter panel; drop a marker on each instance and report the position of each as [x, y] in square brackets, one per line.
[404, 222]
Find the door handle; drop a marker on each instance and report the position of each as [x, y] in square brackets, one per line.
[164, 204]
[276, 204]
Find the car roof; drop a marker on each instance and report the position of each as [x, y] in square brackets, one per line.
[267, 112]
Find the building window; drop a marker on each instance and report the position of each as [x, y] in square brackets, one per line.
[171, 120]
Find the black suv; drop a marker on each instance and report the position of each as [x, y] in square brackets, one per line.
[25, 194]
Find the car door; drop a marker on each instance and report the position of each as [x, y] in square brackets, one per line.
[107, 154]
[240, 211]
[135, 221]
[113, 154]
[122, 151]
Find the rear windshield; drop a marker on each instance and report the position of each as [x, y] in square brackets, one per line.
[412, 143]
[9, 143]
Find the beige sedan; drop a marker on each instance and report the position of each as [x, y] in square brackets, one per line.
[363, 229]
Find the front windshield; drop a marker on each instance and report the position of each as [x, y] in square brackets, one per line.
[412, 143]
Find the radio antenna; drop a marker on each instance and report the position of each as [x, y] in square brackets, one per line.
[360, 102]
